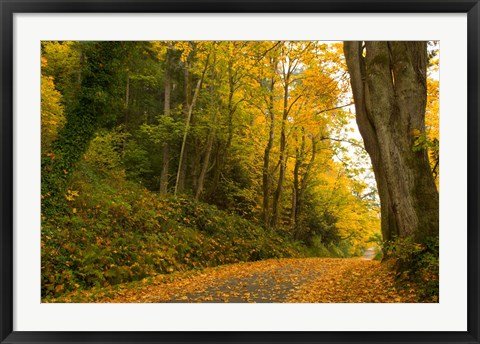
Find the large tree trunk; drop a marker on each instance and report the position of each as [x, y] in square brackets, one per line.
[389, 89]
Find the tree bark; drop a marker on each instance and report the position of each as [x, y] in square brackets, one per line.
[127, 97]
[277, 195]
[266, 158]
[205, 163]
[389, 89]
[282, 162]
[182, 161]
[222, 153]
[181, 172]
[211, 134]
[166, 112]
[300, 185]
[299, 161]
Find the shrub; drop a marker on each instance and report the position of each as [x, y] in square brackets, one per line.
[417, 263]
[378, 254]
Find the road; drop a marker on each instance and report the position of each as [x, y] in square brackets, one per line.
[369, 253]
[313, 280]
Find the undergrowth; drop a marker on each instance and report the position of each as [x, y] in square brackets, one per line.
[116, 231]
[416, 263]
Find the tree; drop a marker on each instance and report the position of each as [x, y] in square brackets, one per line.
[52, 117]
[300, 181]
[166, 112]
[389, 88]
[432, 120]
[236, 66]
[95, 103]
[291, 58]
[213, 108]
[266, 174]
[190, 102]
[262, 98]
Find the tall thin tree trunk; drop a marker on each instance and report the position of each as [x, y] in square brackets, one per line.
[181, 172]
[195, 160]
[222, 154]
[302, 189]
[206, 161]
[299, 157]
[266, 179]
[211, 134]
[166, 112]
[81, 62]
[277, 196]
[182, 161]
[127, 96]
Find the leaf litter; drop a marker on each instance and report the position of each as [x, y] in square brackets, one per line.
[310, 280]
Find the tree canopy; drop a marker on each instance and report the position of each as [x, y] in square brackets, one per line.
[245, 150]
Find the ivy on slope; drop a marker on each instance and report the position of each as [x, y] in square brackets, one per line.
[116, 231]
[94, 102]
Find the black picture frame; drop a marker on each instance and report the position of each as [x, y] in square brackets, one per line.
[11, 7]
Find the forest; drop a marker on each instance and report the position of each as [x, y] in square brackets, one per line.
[173, 167]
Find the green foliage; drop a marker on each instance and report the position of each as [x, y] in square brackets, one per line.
[95, 103]
[320, 225]
[167, 129]
[105, 150]
[235, 193]
[417, 263]
[52, 113]
[318, 248]
[61, 61]
[136, 161]
[421, 142]
[377, 239]
[116, 231]
[378, 255]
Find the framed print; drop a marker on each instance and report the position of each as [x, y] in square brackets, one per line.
[233, 171]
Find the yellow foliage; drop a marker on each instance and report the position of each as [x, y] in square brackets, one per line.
[52, 117]
[357, 219]
[185, 47]
[432, 122]
[71, 195]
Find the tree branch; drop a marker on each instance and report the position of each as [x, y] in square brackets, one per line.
[342, 140]
[335, 108]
